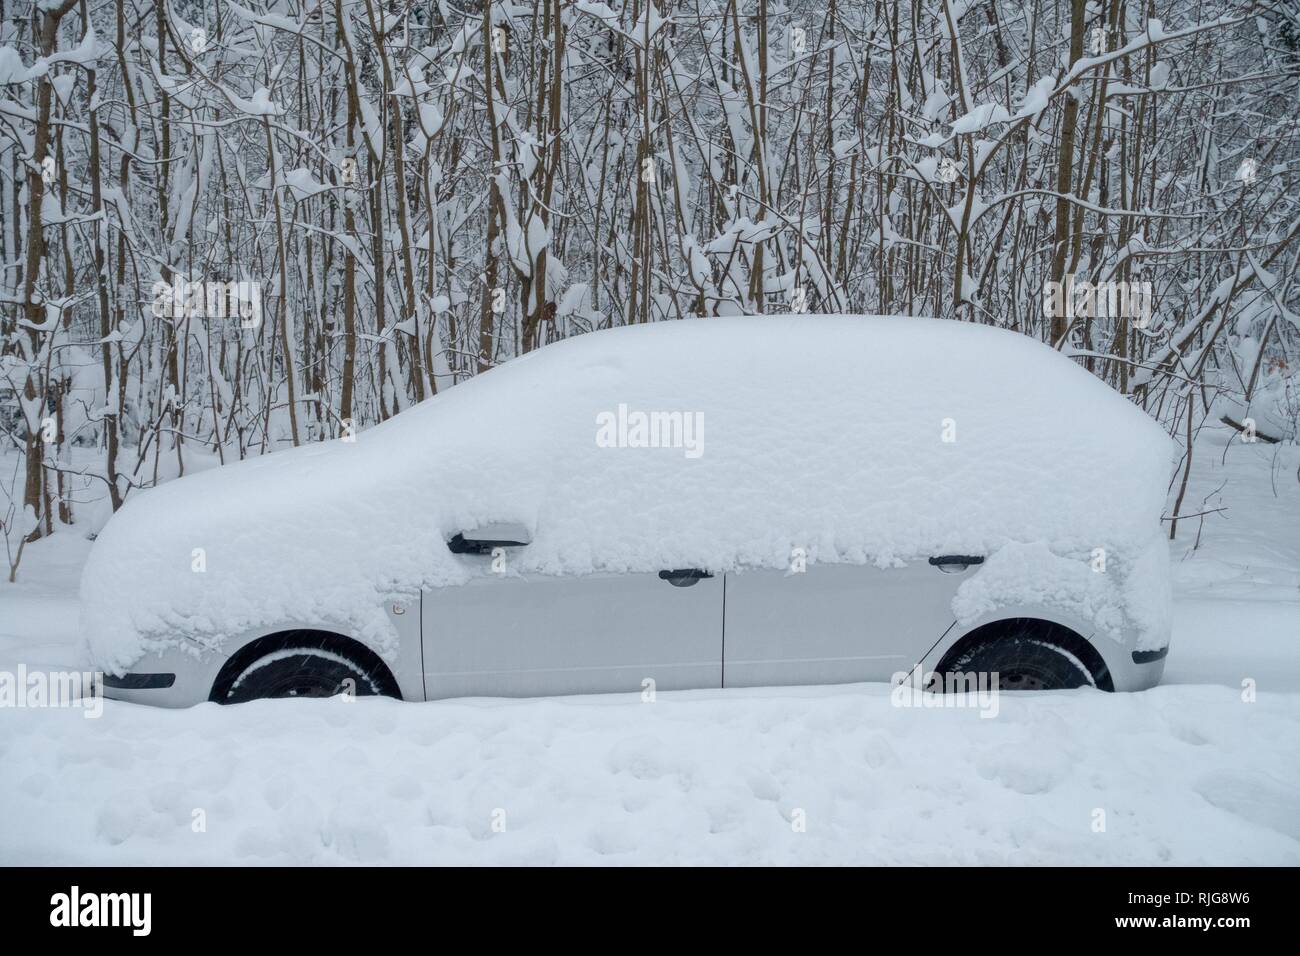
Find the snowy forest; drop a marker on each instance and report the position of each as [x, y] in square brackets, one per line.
[227, 228]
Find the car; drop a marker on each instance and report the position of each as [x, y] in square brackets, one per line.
[700, 504]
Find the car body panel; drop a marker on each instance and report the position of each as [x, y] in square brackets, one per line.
[196, 668]
[510, 635]
[833, 623]
[407, 664]
[1125, 673]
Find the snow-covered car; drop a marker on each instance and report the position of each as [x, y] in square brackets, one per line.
[694, 504]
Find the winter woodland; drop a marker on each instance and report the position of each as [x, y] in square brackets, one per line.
[229, 228]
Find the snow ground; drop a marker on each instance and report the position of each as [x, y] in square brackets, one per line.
[1187, 773]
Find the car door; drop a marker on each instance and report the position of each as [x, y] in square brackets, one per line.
[835, 623]
[525, 635]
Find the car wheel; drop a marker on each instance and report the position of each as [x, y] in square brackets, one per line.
[301, 672]
[1022, 661]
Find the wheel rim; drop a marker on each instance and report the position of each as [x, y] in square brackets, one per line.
[1020, 681]
[304, 685]
[308, 677]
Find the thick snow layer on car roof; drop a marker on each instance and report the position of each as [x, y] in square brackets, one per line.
[860, 439]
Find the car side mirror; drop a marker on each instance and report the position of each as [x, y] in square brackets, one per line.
[497, 534]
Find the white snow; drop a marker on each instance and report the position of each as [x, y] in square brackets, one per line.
[600, 11]
[1036, 97]
[12, 69]
[300, 183]
[980, 117]
[849, 462]
[811, 776]
[1134, 594]
[1189, 773]
[260, 105]
[1031, 573]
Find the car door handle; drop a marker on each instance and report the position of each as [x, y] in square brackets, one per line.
[953, 563]
[683, 577]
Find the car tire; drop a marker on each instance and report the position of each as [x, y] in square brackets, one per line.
[1021, 661]
[301, 672]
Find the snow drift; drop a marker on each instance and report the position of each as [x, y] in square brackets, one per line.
[859, 439]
